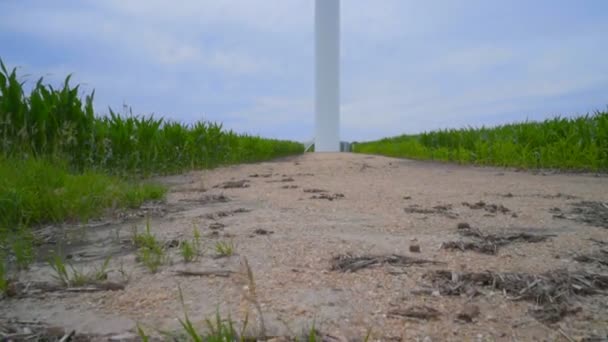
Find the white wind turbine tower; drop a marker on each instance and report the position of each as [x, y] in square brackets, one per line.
[327, 80]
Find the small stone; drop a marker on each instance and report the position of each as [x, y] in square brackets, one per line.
[468, 313]
[415, 248]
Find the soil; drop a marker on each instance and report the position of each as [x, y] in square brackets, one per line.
[298, 250]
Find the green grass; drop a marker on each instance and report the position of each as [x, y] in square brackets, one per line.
[3, 274]
[191, 250]
[35, 191]
[38, 191]
[579, 143]
[76, 277]
[225, 248]
[151, 251]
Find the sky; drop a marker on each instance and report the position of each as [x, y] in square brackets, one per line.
[407, 66]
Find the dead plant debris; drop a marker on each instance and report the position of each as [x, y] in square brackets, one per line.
[289, 187]
[207, 199]
[40, 288]
[490, 244]
[224, 213]
[491, 208]
[264, 175]
[444, 210]
[588, 212]
[599, 242]
[553, 312]
[546, 196]
[352, 263]
[314, 191]
[329, 197]
[217, 226]
[203, 273]
[419, 312]
[547, 289]
[20, 330]
[282, 180]
[598, 257]
[243, 183]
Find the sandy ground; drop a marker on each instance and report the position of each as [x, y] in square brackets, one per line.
[295, 285]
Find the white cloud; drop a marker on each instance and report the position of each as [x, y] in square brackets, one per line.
[407, 65]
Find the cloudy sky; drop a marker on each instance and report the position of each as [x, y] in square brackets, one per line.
[407, 65]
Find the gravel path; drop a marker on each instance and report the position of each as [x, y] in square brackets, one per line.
[302, 212]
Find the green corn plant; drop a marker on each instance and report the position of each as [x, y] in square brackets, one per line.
[578, 143]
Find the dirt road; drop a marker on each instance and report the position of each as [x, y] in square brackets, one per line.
[305, 219]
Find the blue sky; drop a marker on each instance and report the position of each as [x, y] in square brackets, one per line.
[407, 66]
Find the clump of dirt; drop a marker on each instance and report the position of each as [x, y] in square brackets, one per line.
[589, 212]
[550, 288]
[468, 313]
[489, 244]
[491, 208]
[598, 257]
[351, 263]
[420, 312]
[444, 210]
[463, 225]
[243, 183]
[226, 213]
[262, 231]
[329, 197]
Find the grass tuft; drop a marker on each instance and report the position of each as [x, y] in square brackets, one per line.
[77, 277]
[225, 248]
[191, 250]
[151, 252]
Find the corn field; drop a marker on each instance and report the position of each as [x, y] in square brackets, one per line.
[579, 143]
[58, 123]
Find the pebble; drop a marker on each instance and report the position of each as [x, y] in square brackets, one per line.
[415, 248]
